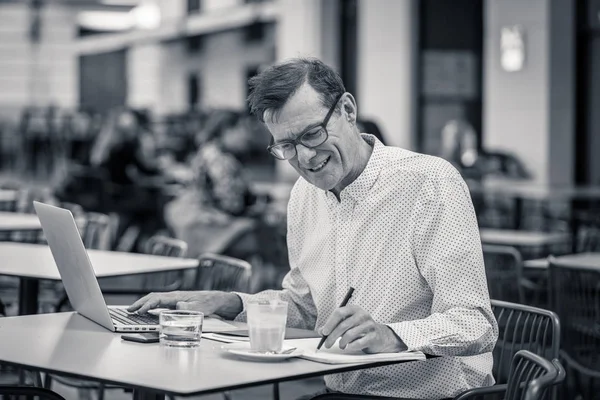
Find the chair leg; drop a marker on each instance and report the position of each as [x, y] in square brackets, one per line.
[48, 381]
[101, 391]
[276, 391]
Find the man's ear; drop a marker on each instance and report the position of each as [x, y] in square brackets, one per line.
[349, 108]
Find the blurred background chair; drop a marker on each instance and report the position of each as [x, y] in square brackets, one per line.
[218, 272]
[157, 245]
[17, 392]
[504, 271]
[575, 297]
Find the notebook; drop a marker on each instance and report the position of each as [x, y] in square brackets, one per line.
[335, 355]
[241, 335]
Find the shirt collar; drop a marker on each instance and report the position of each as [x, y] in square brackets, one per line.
[358, 189]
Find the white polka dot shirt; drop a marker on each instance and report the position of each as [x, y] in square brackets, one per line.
[405, 236]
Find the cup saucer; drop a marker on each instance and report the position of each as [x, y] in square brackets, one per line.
[242, 350]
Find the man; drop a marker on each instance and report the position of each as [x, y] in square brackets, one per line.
[397, 226]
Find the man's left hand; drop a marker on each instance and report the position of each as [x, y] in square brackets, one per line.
[358, 331]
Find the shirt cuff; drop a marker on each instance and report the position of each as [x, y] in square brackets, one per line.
[245, 297]
[410, 335]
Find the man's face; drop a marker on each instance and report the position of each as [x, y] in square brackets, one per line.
[326, 165]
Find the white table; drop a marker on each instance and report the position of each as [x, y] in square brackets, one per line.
[520, 190]
[517, 238]
[10, 221]
[68, 344]
[529, 190]
[585, 260]
[32, 262]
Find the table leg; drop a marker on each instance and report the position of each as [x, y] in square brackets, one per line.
[28, 296]
[139, 394]
[518, 212]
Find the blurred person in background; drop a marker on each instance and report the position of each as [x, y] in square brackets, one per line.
[213, 205]
[459, 147]
[370, 127]
[124, 148]
[125, 155]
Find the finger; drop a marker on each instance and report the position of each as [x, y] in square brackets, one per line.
[150, 304]
[337, 316]
[138, 303]
[356, 333]
[348, 323]
[369, 341]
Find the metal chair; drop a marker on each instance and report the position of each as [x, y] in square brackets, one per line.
[575, 296]
[7, 391]
[218, 272]
[504, 271]
[522, 327]
[531, 376]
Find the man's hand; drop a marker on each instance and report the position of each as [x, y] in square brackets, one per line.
[227, 305]
[358, 331]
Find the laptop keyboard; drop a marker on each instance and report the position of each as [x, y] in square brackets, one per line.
[123, 317]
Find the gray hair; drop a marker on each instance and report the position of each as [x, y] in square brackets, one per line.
[273, 87]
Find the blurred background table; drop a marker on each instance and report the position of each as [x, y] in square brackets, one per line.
[33, 262]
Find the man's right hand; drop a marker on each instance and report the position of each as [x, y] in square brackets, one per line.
[227, 305]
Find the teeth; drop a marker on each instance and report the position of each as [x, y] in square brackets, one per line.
[318, 167]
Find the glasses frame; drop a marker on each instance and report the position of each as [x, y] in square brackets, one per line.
[298, 140]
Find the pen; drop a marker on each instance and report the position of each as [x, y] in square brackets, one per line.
[344, 302]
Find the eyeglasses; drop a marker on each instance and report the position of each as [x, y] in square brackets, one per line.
[311, 138]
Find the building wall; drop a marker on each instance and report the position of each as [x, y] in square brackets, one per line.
[529, 112]
[158, 72]
[222, 64]
[43, 74]
[387, 51]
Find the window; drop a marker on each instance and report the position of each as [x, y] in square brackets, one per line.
[194, 44]
[194, 6]
[193, 90]
[255, 32]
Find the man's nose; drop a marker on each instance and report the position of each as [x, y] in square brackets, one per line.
[305, 154]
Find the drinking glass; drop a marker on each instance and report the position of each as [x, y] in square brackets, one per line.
[180, 328]
[266, 325]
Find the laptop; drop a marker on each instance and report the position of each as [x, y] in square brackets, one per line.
[78, 276]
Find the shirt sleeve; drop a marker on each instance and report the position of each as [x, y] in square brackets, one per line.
[447, 249]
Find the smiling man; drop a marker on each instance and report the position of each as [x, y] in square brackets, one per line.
[397, 226]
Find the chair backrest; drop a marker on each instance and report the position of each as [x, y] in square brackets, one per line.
[523, 327]
[29, 391]
[217, 272]
[504, 271]
[575, 296]
[531, 376]
[95, 230]
[159, 245]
